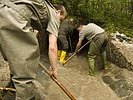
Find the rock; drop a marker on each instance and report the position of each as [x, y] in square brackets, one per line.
[120, 80]
[121, 54]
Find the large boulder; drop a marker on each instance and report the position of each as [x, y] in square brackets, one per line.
[119, 75]
[121, 54]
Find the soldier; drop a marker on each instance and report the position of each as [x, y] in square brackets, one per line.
[98, 41]
[21, 20]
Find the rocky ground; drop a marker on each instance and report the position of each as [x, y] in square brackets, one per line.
[119, 80]
[74, 77]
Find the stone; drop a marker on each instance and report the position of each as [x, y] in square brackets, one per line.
[120, 54]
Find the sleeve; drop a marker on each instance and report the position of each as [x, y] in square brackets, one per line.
[54, 23]
[83, 33]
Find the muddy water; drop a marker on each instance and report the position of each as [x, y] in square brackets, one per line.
[74, 77]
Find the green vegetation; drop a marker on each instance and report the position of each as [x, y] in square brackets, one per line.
[113, 15]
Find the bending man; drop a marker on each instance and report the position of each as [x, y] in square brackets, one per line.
[21, 20]
[98, 41]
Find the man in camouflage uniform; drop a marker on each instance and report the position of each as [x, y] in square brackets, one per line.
[21, 20]
[98, 42]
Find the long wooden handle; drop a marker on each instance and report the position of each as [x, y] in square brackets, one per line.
[69, 58]
[69, 94]
[75, 52]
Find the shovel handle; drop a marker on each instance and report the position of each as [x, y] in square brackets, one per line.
[76, 53]
[69, 94]
[69, 58]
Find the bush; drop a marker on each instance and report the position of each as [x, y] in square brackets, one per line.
[113, 15]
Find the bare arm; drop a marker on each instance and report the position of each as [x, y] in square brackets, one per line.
[78, 45]
[53, 54]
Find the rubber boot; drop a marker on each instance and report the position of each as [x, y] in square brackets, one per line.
[62, 57]
[91, 63]
[104, 59]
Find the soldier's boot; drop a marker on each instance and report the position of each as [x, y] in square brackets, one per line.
[62, 57]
